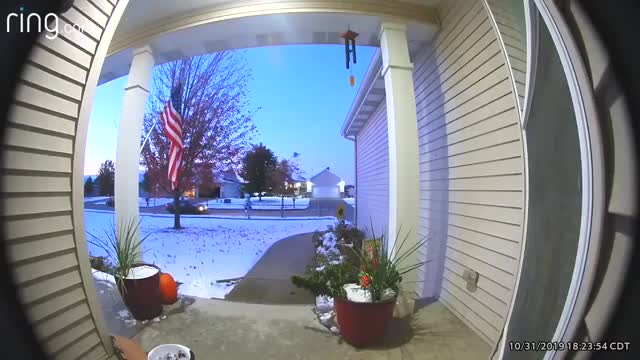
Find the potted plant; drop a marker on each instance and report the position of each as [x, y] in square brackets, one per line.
[364, 286]
[137, 282]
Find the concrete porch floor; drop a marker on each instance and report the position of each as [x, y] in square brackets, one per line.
[218, 329]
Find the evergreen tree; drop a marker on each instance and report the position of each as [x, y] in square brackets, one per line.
[88, 186]
[106, 178]
[257, 167]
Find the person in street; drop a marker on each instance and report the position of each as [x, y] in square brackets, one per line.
[247, 205]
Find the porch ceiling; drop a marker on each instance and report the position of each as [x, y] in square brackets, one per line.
[174, 30]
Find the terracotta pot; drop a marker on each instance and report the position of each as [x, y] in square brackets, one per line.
[142, 295]
[363, 324]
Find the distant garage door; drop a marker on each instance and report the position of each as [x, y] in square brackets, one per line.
[325, 192]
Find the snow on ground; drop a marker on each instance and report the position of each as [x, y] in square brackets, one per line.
[207, 249]
[267, 203]
[95, 198]
[350, 201]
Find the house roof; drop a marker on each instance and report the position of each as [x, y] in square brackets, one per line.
[232, 176]
[370, 95]
[325, 177]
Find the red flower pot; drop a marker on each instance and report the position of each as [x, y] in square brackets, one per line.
[142, 295]
[363, 324]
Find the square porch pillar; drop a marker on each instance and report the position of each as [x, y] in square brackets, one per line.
[404, 176]
[129, 135]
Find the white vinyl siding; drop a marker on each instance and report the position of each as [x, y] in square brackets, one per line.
[37, 182]
[510, 22]
[471, 167]
[372, 174]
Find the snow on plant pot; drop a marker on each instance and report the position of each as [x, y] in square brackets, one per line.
[364, 287]
[138, 283]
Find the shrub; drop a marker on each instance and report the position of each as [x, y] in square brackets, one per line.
[375, 269]
[122, 246]
[101, 263]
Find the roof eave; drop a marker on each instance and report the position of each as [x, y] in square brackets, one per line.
[373, 73]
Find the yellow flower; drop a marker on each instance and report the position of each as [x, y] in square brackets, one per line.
[340, 213]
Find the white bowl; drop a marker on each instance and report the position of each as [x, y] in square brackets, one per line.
[162, 350]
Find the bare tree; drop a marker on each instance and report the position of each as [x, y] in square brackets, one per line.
[217, 123]
[282, 179]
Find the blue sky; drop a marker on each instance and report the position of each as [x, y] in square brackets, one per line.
[303, 93]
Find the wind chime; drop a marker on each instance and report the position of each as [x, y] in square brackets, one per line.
[350, 48]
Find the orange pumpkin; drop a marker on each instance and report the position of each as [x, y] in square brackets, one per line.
[168, 289]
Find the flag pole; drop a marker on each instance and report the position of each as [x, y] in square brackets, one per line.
[148, 134]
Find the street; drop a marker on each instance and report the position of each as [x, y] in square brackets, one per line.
[317, 207]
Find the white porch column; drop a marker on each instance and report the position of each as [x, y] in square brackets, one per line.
[404, 186]
[129, 134]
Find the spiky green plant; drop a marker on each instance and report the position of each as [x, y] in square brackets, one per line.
[121, 246]
[382, 268]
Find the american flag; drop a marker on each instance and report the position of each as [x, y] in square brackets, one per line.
[172, 123]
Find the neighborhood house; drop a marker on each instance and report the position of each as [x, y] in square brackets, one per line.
[326, 185]
[231, 185]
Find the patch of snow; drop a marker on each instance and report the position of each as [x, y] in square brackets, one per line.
[99, 275]
[329, 245]
[350, 201]
[95, 198]
[141, 272]
[356, 293]
[207, 249]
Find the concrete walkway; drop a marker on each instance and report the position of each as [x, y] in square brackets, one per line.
[269, 281]
[218, 329]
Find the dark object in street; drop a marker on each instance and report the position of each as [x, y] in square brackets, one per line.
[110, 202]
[188, 207]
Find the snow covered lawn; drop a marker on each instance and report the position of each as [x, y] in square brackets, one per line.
[267, 203]
[95, 198]
[208, 249]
